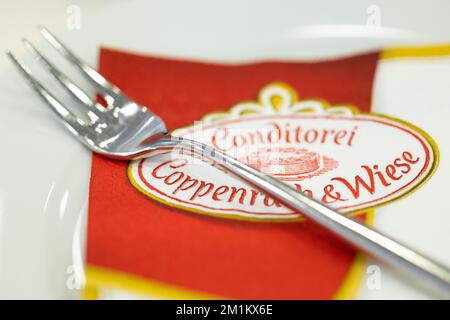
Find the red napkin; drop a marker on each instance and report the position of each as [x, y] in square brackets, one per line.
[132, 237]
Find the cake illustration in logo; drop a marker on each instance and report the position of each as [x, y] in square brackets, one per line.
[289, 163]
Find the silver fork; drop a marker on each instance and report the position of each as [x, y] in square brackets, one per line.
[126, 130]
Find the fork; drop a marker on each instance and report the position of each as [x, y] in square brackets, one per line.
[125, 130]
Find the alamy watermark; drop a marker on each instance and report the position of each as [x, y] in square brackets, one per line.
[73, 20]
[75, 277]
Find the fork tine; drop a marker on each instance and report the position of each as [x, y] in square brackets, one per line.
[94, 110]
[75, 124]
[108, 89]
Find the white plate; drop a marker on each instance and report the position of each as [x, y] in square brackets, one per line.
[45, 173]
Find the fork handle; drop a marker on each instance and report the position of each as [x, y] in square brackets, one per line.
[356, 233]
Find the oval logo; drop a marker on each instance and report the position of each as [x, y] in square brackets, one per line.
[349, 160]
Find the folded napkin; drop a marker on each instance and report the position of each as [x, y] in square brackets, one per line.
[159, 228]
